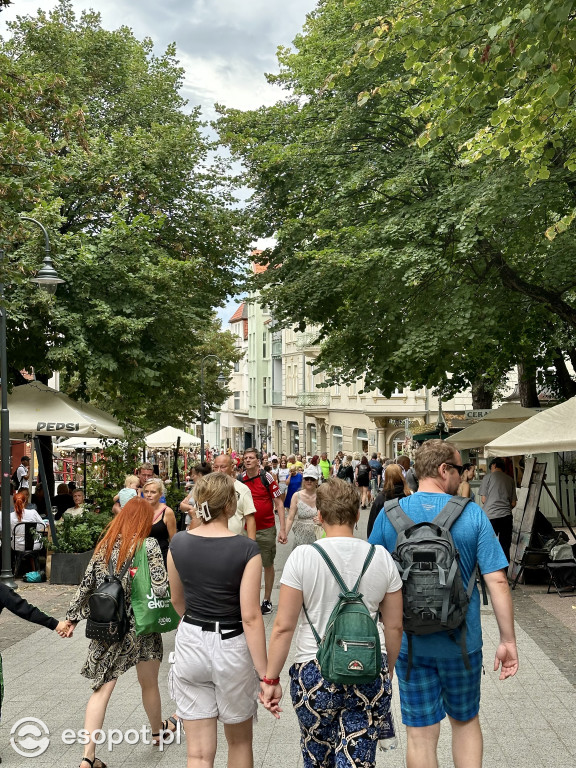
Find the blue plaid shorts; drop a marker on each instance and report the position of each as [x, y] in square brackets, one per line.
[340, 725]
[438, 687]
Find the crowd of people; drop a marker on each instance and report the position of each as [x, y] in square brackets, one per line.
[211, 566]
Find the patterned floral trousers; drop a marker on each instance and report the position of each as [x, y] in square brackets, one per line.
[340, 725]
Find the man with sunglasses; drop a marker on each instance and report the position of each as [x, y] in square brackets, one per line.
[439, 682]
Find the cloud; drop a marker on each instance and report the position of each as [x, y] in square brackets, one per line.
[225, 46]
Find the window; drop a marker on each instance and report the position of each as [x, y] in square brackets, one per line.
[237, 366]
[236, 401]
[264, 340]
[336, 440]
[264, 390]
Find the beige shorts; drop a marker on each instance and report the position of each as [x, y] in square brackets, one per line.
[212, 677]
[266, 540]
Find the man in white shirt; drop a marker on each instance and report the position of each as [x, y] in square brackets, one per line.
[22, 473]
[243, 522]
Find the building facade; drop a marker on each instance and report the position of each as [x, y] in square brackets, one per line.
[280, 404]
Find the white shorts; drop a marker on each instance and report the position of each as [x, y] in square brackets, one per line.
[212, 677]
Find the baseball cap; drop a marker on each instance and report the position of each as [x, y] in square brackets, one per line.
[310, 473]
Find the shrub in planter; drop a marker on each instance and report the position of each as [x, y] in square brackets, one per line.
[79, 533]
[77, 537]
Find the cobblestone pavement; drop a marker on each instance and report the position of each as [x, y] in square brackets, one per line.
[527, 721]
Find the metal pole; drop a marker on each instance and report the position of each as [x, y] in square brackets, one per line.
[48, 492]
[6, 575]
[202, 410]
[202, 456]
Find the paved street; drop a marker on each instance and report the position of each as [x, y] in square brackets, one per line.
[527, 721]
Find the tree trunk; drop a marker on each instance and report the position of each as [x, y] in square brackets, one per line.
[527, 385]
[481, 395]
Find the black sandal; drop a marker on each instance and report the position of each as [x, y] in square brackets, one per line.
[165, 729]
[166, 724]
[96, 763]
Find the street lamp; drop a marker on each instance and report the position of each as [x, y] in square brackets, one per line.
[49, 280]
[221, 381]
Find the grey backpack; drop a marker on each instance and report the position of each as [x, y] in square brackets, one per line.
[435, 599]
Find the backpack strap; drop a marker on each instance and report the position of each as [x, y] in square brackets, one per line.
[451, 512]
[339, 580]
[397, 516]
[335, 572]
[122, 573]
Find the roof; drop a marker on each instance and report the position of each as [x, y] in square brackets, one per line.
[240, 314]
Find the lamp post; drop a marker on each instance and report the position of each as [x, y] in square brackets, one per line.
[49, 280]
[221, 381]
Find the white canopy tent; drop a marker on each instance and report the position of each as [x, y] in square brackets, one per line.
[547, 432]
[494, 424]
[78, 443]
[166, 439]
[36, 409]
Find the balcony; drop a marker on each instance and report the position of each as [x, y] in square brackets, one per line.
[306, 343]
[313, 400]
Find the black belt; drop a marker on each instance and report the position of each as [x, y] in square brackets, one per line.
[231, 630]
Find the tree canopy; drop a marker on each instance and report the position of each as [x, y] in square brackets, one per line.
[97, 143]
[404, 233]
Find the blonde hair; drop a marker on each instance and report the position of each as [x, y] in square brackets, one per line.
[217, 490]
[338, 502]
[157, 482]
[131, 479]
[393, 476]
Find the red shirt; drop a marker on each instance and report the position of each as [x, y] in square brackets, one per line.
[263, 499]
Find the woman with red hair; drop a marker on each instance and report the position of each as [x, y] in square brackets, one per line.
[22, 515]
[124, 535]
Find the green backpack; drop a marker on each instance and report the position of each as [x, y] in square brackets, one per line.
[349, 653]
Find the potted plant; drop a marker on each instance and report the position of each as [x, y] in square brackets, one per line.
[77, 537]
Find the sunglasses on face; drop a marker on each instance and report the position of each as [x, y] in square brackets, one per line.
[454, 466]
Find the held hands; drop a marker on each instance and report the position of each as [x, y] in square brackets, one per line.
[65, 628]
[282, 536]
[506, 659]
[270, 697]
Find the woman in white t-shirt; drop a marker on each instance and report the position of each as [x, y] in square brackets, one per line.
[21, 514]
[334, 718]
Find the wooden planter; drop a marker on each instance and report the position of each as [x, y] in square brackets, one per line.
[69, 568]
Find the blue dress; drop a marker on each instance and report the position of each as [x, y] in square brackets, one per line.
[294, 484]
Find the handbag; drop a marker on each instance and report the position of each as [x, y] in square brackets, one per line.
[151, 613]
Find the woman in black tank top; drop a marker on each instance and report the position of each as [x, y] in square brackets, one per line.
[220, 647]
[164, 524]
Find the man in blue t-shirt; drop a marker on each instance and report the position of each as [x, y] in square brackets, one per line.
[439, 682]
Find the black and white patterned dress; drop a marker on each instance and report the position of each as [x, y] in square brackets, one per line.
[107, 662]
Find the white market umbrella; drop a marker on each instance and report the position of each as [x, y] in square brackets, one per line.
[75, 443]
[547, 432]
[36, 409]
[494, 424]
[167, 438]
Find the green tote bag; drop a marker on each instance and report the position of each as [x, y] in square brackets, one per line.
[151, 613]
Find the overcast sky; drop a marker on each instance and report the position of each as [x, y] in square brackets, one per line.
[225, 46]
